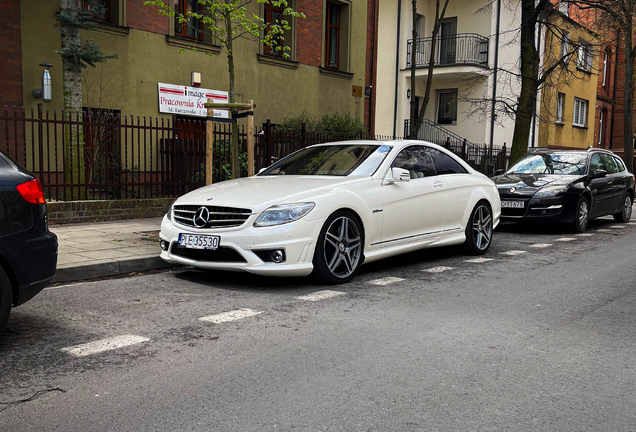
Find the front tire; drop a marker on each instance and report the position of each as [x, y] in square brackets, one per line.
[582, 215]
[479, 229]
[626, 211]
[338, 254]
[5, 300]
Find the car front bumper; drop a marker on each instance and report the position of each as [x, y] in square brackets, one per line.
[238, 247]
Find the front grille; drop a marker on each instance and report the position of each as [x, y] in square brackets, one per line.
[220, 217]
[222, 254]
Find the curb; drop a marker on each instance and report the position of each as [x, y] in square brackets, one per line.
[81, 272]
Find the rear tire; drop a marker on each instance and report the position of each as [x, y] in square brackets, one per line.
[479, 229]
[338, 254]
[582, 215]
[5, 299]
[626, 211]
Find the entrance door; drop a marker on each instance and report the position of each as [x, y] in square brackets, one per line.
[448, 41]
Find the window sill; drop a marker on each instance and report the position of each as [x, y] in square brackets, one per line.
[277, 61]
[336, 73]
[192, 44]
[113, 29]
[559, 123]
[589, 72]
[579, 126]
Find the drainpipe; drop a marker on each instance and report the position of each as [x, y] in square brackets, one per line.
[494, 81]
[534, 117]
[611, 144]
[397, 66]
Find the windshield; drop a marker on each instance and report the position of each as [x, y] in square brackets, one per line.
[553, 163]
[332, 160]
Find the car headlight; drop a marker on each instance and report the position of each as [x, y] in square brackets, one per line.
[551, 192]
[283, 213]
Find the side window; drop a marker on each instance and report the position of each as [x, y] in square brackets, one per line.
[610, 164]
[444, 164]
[596, 163]
[619, 163]
[416, 160]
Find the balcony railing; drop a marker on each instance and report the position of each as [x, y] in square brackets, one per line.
[459, 49]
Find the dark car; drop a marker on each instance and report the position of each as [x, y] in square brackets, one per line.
[566, 186]
[28, 250]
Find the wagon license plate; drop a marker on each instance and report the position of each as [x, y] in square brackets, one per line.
[199, 241]
[512, 204]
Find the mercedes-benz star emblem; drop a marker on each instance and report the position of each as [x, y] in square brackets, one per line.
[201, 217]
[512, 189]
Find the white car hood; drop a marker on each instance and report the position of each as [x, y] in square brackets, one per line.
[259, 193]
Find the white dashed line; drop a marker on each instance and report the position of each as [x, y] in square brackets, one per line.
[513, 252]
[438, 269]
[565, 239]
[386, 281]
[631, 223]
[584, 235]
[478, 260]
[99, 346]
[603, 230]
[541, 245]
[617, 227]
[320, 295]
[230, 316]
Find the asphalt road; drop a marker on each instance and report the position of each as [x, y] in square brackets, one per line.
[541, 339]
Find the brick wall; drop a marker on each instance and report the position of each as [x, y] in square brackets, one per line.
[10, 53]
[309, 32]
[146, 18]
[94, 211]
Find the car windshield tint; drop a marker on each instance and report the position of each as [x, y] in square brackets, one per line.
[553, 163]
[332, 160]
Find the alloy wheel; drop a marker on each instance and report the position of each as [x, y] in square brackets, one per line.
[482, 227]
[343, 247]
[627, 208]
[583, 214]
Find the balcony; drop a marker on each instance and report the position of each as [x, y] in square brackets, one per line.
[456, 50]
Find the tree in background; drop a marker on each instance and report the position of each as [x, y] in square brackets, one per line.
[229, 20]
[416, 120]
[76, 55]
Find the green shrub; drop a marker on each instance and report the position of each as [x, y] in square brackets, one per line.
[336, 124]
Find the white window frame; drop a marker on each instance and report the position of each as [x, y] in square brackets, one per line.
[605, 60]
[565, 45]
[560, 107]
[584, 57]
[579, 117]
[564, 8]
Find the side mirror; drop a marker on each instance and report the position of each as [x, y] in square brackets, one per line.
[499, 172]
[261, 170]
[599, 174]
[397, 175]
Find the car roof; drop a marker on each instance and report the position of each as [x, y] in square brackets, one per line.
[545, 150]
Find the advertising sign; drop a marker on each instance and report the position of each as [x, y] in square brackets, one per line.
[183, 100]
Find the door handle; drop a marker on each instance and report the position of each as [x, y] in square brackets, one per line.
[438, 184]
[609, 183]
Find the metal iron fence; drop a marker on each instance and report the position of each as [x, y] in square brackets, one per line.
[463, 48]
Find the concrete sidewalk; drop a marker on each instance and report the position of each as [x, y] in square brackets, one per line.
[98, 249]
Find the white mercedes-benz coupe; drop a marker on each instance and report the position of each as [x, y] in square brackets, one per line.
[330, 207]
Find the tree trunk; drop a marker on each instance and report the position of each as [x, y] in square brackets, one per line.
[413, 114]
[234, 147]
[628, 137]
[529, 83]
[72, 86]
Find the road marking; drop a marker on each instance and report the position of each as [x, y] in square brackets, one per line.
[617, 227]
[438, 269]
[230, 316]
[603, 230]
[565, 239]
[631, 223]
[584, 235]
[320, 295]
[513, 252]
[386, 281]
[99, 346]
[541, 245]
[478, 260]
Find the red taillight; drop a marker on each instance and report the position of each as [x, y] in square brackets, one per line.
[32, 191]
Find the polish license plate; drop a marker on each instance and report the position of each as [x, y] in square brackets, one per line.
[512, 204]
[199, 241]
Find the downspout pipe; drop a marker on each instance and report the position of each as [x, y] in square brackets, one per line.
[397, 66]
[494, 80]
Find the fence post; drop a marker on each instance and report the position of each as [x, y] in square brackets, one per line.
[40, 143]
[464, 145]
[209, 144]
[270, 153]
[250, 140]
[303, 134]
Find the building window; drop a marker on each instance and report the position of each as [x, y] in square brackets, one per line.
[191, 27]
[600, 128]
[584, 60]
[273, 15]
[565, 44]
[100, 9]
[580, 112]
[332, 46]
[564, 8]
[605, 67]
[560, 105]
[447, 107]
